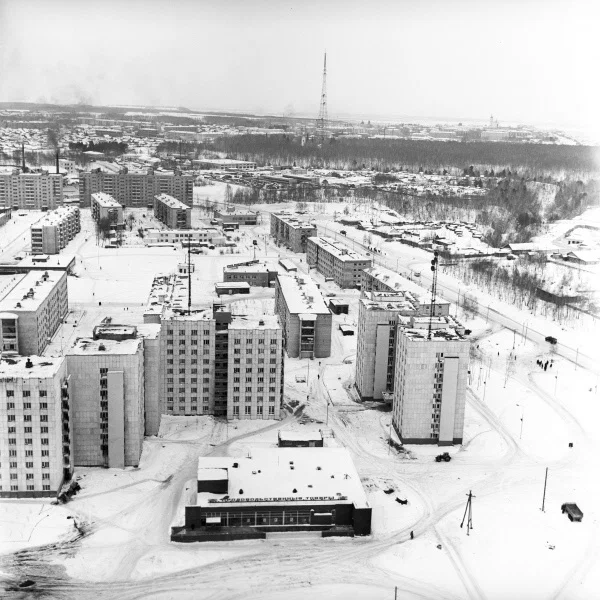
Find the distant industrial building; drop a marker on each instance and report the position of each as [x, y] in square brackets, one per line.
[430, 384]
[104, 206]
[31, 191]
[31, 311]
[292, 232]
[173, 213]
[252, 272]
[136, 189]
[236, 216]
[225, 164]
[36, 447]
[276, 489]
[55, 230]
[334, 261]
[304, 316]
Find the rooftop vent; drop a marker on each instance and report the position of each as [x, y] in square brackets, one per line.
[102, 347]
[28, 364]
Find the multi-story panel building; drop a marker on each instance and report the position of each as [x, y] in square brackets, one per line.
[253, 272]
[55, 230]
[430, 383]
[5, 215]
[32, 310]
[380, 279]
[173, 213]
[108, 387]
[136, 189]
[254, 368]
[35, 427]
[334, 261]
[291, 231]
[33, 191]
[304, 316]
[104, 206]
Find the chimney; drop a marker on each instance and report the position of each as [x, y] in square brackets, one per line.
[23, 167]
[57, 162]
[28, 364]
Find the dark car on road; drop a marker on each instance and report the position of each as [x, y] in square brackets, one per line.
[551, 339]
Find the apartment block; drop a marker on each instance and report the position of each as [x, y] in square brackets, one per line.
[31, 311]
[430, 383]
[55, 230]
[31, 191]
[108, 388]
[35, 427]
[136, 189]
[173, 213]
[254, 273]
[304, 316]
[104, 206]
[334, 261]
[291, 231]
[380, 279]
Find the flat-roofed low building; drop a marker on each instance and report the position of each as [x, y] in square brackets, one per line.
[304, 316]
[276, 489]
[55, 230]
[195, 237]
[225, 164]
[172, 212]
[242, 217]
[36, 447]
[335, 261]
[104, 206]
[31, 311]
[291, 231]
[254, 273]
[5, 215]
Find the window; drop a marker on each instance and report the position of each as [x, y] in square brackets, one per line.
[271, 410]
[45, 452]
[259, 409]
[44, 418]
[14, 465]
[12, 430]
[28, 465]
[27, 418]
[247, 410]
[44, 442]
[28, 441]
[43, 393]
[43, 430]
[46, 487]
[236, 411]
[45, 475]
[10, 393]
[26, 394]
[28, 430]
[11, 418]
[28, 475]
[10, 406]
[26, 405]
[170, 351]
[14, 453]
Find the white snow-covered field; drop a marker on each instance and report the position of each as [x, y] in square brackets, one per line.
[519, 421]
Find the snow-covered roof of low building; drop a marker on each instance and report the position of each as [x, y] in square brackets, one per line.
[40, 367]
[337, 249]
[301, 294]
[88, 346]
[276, 475]
[30, 291]
[300, 436]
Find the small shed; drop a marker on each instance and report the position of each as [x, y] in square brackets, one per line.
[232, 287]
[338, 307]
[347, 330]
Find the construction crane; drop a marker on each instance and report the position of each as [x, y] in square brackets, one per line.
[434, 265]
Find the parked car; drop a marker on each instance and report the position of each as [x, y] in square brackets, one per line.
[443, 457]
[573, 511]
[551, 339]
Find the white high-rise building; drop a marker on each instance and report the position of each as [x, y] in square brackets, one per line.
[35, 426]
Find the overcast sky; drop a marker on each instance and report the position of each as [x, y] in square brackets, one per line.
[520, 60]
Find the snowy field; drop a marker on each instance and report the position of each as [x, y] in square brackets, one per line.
[520, 420]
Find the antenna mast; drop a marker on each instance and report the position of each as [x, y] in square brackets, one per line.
[322, 119]
[434, 264]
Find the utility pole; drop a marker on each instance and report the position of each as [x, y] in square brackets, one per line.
[544, 497]
[468, 512]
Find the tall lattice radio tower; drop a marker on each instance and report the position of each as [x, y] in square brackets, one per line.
[322, 120]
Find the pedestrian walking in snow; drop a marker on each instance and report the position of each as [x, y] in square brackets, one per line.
[412, 535]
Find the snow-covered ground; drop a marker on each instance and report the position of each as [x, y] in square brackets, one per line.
[520, 420]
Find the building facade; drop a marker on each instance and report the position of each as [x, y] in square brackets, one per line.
[304, 316]
[32, 310]
[253, 272]
[195, 237]
[107, 383]
[236, 216]
[334, 261]
[173, 213]
[225, 164]
[104, 206]
[55, 230]
[31, 191]
[292, 232]
[35, 427]
[136, 190]
[430, 384]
